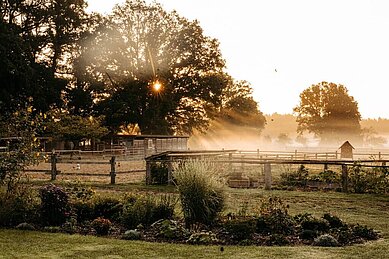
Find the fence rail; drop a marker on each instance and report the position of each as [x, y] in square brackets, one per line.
[55, 160]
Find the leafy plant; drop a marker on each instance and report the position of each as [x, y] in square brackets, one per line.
[101, 226]
[145, 210]
[326, 240]
[18, 205]
[159, 173]
[201, 193]
[274, 218]
[298, 178]
[240, 229]
[55, 207]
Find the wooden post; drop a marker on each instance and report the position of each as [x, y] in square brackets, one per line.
[267, 169]
[325, 167]
[230, 163]
[379, 155]
[336, 154]
[53, 166]
[344, 178]
[148, 172]
[258, 153]
[170, 172]
[242, 164]
[113, 171]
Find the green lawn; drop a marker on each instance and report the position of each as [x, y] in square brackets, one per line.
[371, 210]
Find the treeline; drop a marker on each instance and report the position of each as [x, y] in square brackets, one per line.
[138, 69]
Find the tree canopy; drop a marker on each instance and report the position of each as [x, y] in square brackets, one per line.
[140, 67]
[141, 44]
[328, 111]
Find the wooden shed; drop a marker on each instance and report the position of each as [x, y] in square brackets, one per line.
[346, 150]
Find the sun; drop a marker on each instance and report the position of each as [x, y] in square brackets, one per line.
[157, 86]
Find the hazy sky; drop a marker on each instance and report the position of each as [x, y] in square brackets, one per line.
[282, 46]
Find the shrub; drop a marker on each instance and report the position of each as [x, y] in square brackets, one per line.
[315, 224]
[240, 229]
[146, 210]
[274, 218]
[107, 207]
[132, 234]
[329, 176]
[307, 234]
[84, 210]
[326, 240]
[18, 205]
[203, 238]
[169, 229]
[298, 178]
[159, 173]
[369, 181]
[365, 232]
[277, 240]
[334, 221]
[55, 207]
[101, 226]
[201, 193]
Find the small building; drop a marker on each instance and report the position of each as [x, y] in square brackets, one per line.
[146, 145]
[346, 150]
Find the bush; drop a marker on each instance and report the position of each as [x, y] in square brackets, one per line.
[334, 221]
[132, 234]
[369, 181]
[315, 224]
[329, 176]
[159, 173]
[169, 229]
[17, 206]
[55, 207]
[107, 207]
[274, 218]
[365, 232]
[146, 210]
[84, 210]
[101, 226]
[201, 193]
[326, 240]
[240, 229]
[203, 238]
[298, 178]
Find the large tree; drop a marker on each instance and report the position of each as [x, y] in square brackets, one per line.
[37, 39]
[328, 111]
[239, 108]
[140, 45]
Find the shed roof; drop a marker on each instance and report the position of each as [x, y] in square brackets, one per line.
[346, 144]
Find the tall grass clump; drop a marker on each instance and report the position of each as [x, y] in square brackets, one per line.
[200, 190]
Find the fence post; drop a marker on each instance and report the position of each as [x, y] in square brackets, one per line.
[53, 161]
[113, 169]
[267, 170]
[148, 172]
[325, 167]
[230, 163]
[344, 178]
[170, 172]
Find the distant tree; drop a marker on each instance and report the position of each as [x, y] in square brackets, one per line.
[284, 139]
[76, 129]
[328, 111]
[239, 107]
[139, 45]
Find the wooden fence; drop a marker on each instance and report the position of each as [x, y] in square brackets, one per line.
[55, 159]
[233, 157]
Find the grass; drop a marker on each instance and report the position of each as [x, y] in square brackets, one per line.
[27, 244]
[366, 209]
